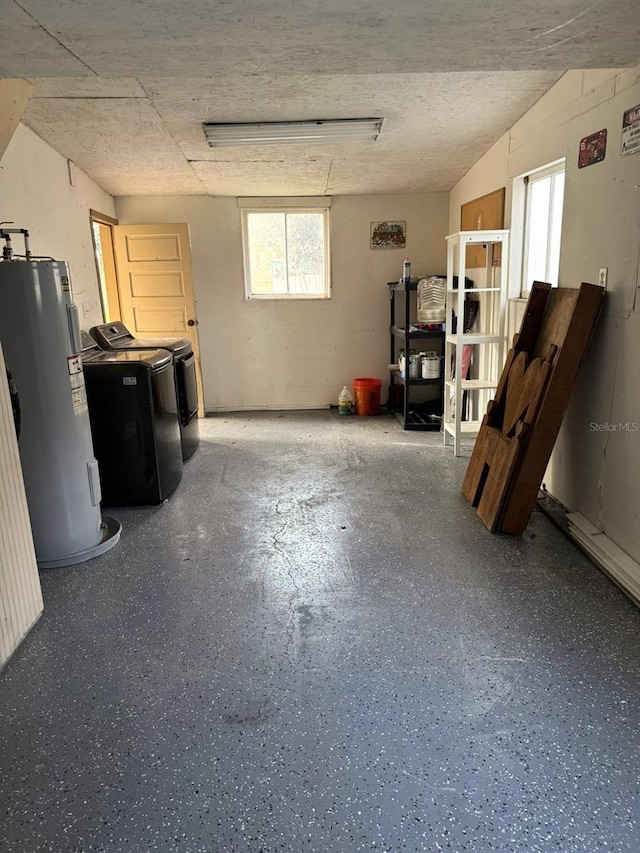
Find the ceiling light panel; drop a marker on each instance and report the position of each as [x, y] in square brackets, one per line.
[322, 131]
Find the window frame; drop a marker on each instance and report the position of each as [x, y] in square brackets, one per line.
[531, 178]
[106, 270]
[286, 209]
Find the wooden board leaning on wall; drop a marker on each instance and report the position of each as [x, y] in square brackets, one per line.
[485, 213]
[522, 421]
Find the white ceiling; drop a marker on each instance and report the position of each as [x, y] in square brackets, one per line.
[123, 87]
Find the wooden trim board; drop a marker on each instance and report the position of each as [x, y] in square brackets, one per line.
[105, 219]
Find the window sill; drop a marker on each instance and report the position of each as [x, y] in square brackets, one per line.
[286, 298]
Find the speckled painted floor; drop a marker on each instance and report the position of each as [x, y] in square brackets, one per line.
[315, 646]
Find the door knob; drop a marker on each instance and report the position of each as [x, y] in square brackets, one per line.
[192, 322]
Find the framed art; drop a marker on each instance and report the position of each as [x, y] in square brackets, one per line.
[388, 235]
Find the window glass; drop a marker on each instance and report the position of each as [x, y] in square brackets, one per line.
[266, 243]
[556, 228]
[305, 252]
[286, 253]
[543, 227]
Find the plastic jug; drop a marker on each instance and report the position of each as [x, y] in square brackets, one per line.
[345, 402]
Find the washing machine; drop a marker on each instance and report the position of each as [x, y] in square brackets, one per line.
[116, 337]
[133, 410]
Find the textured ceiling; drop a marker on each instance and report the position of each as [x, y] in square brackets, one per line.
[124, 86]
[120, 38]
[145, 137]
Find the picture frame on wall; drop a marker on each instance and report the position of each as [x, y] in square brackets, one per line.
[388, 235]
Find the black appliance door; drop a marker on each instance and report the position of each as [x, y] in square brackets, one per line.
[121, 414]
[167, 429]
[186, 372]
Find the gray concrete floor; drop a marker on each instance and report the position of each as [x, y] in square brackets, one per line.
[316, 646]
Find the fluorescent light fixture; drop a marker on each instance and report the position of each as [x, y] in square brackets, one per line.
[324, 131]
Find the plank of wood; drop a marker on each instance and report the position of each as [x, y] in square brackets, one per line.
[525, 407]
[524, 340]
[492, 468]
[503, 458]
[533, 315]
[473, 478]
[568, 324]
[515, 387]
[495, 407]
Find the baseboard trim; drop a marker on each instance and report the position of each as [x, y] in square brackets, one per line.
[216, 410]
[615, 562]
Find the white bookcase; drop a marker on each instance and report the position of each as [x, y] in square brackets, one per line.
[486, 338]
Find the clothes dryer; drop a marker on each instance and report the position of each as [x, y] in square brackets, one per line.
[116, 336]
[134, 423]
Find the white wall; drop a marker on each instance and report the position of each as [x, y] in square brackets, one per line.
[36, 194]
[15, 95]
[297, 353]
[596, 473]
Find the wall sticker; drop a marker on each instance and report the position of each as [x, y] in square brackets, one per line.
[592, 149]
[630, 132]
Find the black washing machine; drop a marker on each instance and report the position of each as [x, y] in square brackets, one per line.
[116, 336]
[133, 411]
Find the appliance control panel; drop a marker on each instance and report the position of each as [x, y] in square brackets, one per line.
[113, 331]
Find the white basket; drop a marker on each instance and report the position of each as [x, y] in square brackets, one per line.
[432, 298]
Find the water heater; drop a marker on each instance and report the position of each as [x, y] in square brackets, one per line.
[40, 337]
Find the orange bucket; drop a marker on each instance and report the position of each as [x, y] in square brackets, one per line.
[367, 394]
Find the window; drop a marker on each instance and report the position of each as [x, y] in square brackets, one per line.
[544, 196]
[286, 253]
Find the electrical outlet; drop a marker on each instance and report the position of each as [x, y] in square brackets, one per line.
[86, 309]
[602, 280]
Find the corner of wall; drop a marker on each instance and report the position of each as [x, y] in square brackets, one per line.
[36, 193]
